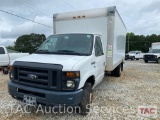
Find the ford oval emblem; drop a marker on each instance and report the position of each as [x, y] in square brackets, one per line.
[32, 76]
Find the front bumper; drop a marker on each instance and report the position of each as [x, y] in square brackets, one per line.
[45, 97]
[150, 59]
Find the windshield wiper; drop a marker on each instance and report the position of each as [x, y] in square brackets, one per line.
[70, 52]
[42, 51]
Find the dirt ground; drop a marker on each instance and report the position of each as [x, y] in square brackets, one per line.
[114, 98]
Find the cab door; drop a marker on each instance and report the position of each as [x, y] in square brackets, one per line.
[99, 59]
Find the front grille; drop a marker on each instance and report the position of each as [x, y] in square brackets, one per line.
[42, 76]
[38, 75]
[149, 56]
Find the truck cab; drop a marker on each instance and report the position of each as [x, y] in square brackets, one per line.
[57, 72]
[134, 55]
[7, 56]
[154, 53]
[4, 58]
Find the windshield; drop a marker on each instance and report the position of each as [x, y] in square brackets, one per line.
[155, 51]
[70, 44]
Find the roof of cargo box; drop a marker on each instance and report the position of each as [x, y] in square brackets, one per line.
[92, 13]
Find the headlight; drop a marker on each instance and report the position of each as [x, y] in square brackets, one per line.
[11, 75]
[70, 84]
[70, 80]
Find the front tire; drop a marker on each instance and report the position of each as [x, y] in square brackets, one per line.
[5, 71]
[133, 58]
[86, 99]
[146, 61]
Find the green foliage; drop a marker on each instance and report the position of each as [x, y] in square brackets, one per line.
[10, 47]
[28, 43]
[140, 42]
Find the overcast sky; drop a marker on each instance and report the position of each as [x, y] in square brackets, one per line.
[140, 16]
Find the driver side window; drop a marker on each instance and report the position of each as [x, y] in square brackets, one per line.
[2, 50]
[98, 47]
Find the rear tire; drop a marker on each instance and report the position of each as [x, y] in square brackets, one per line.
[146, 61]
[122, 66]
[86, 99]
[117, 71]
[158, 61]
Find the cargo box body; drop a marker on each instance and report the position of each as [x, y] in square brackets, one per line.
[105, 22]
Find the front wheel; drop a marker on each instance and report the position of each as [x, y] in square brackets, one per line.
[146, 61]
[86, 99]
[5, 71]
[133, 58]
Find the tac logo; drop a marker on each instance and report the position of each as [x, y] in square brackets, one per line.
[147, 111]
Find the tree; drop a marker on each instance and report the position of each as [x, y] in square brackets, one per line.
[140, 42]
[10, 47]
[29, 43]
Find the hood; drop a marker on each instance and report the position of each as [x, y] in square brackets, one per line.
[67, 61]
[130, 54]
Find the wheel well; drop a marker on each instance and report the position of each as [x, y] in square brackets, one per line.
[91, 80]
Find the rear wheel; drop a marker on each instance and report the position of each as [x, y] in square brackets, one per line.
[117, 71]
[122, 66]
[158, 61]
[86, 99]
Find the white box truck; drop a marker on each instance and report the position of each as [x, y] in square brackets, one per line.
[154, 53]
[73, 61]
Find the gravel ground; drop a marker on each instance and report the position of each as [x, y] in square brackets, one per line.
[114, 98]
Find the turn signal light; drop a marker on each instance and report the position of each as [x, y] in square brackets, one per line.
[72, 74]
[10, 68]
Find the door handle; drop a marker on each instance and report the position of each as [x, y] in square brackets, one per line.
[92, 63]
